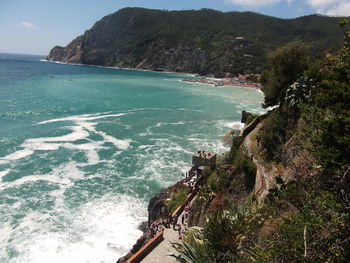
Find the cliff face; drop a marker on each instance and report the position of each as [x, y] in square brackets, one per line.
[70, 54]
[204, 41]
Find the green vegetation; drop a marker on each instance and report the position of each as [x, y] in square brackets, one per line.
[193, 249]
[250, 119]
[305, 217]
[285, 65]
[198, 41]
[273, 135]
[177, 199]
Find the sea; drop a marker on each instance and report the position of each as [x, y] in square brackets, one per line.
[84, 148]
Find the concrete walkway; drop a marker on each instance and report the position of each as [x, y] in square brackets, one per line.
[161, 252]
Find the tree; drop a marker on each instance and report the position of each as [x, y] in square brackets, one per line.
[328, 118]
[285, 66]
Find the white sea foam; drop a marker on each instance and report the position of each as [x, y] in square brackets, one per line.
[83, 123]
[232, 124]
[63, 176]
[84, 117]
[82, 129]
[120, 144]
[99, 231]
[44, 144]
[4, 232]
[4, 173]
[16, 155]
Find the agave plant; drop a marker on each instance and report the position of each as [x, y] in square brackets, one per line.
[192, 249]
[299, 91]
[217, 242]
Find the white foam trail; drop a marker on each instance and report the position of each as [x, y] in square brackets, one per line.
[16, 155]
[4, 173]
[84, 117]
[82, 121]
[63, 175]
[90, 150]
[44, 144]
[82, 130]
[232, 124]
[159, 124]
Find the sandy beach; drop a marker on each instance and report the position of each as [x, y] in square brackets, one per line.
[225, 82]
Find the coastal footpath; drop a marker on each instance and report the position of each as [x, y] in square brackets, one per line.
[281, 194]
[165, 227]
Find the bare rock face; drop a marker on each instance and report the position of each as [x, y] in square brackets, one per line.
[70, 54]
[57, 53]
[157, 207]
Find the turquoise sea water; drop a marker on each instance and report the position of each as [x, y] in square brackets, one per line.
[83, 149]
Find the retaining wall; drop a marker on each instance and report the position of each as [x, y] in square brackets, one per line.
[146, 249]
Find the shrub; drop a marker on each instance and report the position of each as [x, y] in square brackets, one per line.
[284, 66]
[272, 134]
[177, 198]
[250, 119]
[235, 147]
[248, 168]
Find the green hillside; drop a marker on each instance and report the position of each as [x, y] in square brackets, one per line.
[203, 41]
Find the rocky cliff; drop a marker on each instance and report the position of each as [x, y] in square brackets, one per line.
[204, 41]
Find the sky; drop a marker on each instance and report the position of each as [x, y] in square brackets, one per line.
[35, 26]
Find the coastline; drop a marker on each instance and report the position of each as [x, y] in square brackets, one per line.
[131, 69]
[143, 225]
[216, 82]
[228, 82]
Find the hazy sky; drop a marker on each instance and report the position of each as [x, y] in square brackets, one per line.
[35, 26]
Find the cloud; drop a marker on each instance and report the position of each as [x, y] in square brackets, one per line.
[343, 9]
[326, 7]
[252, 3]
[28, 25]
[322, 3]
[256, 3]
[331, 7]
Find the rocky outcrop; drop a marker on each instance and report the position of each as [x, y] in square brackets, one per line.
[70, 54]
[245, 116]
[204, 41]
[157, 207]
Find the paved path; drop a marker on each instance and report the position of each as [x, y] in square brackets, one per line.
[161, 252]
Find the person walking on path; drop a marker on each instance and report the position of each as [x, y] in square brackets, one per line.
[175, 221]
[179, 230]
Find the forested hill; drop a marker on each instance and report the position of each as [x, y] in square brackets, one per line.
[204, 41]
